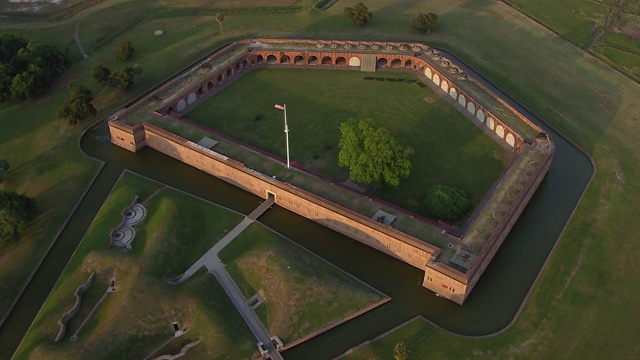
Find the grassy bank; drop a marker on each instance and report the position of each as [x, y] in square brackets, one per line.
[136, 319]
[303, 293]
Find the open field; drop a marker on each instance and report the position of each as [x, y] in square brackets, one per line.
[449, 148]
[136, 319]
[580, 307]
[608, 28]
[303, 293]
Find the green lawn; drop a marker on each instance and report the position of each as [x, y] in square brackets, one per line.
[136, 319]
[576, 20]
[449, 148]
[302, 292]
[580, 305]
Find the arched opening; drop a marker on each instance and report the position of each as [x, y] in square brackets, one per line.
[382, 62]
[170, 109]
[181, 105]
[298, 60]
[260, 59]
[238, 66]
[229, 73]
[200, 91]
[245, 63]
[220, 79]
[271, 59]
[210, 85]
[191, 98]
[444, 86]
[407, 64]
[395, 63]
[313, 60]
[340, 61]
[284, 59]
[326, 60]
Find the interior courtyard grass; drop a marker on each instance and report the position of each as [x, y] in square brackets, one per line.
[136, 319]
[449, 148]
[580, 305]
[303, 293]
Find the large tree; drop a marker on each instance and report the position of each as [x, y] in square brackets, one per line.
[123, 78]
[372, 154]
[124, 51]
[100, 73]
[425, 22]
[358, 14]
[79, 106]
[15, 213]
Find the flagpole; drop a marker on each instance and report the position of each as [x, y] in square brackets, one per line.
[286, 132]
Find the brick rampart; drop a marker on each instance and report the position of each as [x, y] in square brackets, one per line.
[439, 277]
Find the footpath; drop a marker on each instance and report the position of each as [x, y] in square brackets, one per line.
[214, 266]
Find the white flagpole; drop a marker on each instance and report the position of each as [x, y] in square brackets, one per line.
[286, 132]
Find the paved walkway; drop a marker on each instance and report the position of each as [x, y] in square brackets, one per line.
[214, 266]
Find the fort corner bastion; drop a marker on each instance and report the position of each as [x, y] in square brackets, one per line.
[452, 261]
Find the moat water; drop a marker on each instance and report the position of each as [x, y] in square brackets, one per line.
[492, 305]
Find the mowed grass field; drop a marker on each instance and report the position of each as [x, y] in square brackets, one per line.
[137, 318]
[580, 307]
[609, 29]
[449, 148]
[303, 293]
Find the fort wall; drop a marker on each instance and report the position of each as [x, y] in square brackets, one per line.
[441, 278]
[384, 238]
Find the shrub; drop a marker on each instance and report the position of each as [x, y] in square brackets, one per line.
[447, 202]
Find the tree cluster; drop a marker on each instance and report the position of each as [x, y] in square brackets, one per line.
[373, 154]
[359, 14]
[79, 106]
[16, 211]
[27, 69]
[447, 202]
[120, 79]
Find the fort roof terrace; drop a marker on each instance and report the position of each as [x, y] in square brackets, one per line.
[461, 257]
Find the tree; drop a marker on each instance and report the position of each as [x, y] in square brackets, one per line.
[123, 78]
[220, 19]
[358, 14]
[16, 211]
[425, 22]
[100, 73]
[372, 154]
[125, 51]
[4, 168]
[447, 202]
[400, 351]
[79, 106]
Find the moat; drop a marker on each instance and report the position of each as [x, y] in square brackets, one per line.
[492, 306]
